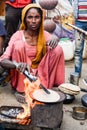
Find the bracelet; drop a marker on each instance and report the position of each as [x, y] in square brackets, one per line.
[16, 64]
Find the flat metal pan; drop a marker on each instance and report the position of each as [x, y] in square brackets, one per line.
[53, 97]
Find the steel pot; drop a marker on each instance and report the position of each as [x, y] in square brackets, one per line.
[79, 113]
[48, 4]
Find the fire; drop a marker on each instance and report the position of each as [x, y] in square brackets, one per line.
[30, 87]
[24, 114]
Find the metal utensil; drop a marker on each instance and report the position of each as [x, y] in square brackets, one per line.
[79, 113]
[32, 78]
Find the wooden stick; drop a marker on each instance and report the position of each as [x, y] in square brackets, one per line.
[76, 28]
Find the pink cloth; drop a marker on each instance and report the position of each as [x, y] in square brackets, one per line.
[51, 69]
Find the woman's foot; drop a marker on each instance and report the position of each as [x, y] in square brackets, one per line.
[20, 97]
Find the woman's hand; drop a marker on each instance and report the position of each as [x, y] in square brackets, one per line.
[53, 42]
[23, 66]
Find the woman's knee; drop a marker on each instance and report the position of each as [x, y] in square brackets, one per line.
[58, 50]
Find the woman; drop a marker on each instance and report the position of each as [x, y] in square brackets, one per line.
[35, 50]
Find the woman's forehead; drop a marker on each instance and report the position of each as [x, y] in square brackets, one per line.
[32, 10]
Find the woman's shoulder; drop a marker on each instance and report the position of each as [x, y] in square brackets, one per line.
[18, 34]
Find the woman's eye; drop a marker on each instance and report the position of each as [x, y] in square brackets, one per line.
[29, 17]
[37, 17]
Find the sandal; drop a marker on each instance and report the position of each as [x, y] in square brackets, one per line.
[20, 97]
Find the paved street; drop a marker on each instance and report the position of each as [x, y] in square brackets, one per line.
[68, 122]
[7, 98]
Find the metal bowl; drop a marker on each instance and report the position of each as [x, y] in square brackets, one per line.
[79, 113]
[69, 99]
[84, 100]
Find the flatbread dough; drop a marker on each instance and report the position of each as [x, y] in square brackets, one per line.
[42, 96]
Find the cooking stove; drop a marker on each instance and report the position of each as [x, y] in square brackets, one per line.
[44, 115]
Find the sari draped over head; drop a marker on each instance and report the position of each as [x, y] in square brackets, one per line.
[41, 45]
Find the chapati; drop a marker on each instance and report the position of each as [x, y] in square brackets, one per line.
[69, 88]
[42, 96]
[67, 91]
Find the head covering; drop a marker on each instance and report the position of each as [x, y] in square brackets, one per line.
[41, 45]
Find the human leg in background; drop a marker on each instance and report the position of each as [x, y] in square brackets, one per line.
[2, 36]
[79, 46]
[79, 40]
[1, 127]
[3, 74]
[12, 20]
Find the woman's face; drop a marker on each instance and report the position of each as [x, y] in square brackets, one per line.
[33, 19]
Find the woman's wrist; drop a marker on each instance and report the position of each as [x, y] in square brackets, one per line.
[15, 64]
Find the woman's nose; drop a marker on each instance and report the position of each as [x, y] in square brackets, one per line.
[33, 20]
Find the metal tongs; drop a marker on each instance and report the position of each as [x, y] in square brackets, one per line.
[32, 78]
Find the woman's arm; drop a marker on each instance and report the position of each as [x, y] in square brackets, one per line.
[21, 67]
[51, 40]
[7, 64]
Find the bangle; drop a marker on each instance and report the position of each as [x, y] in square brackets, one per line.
[16, 64]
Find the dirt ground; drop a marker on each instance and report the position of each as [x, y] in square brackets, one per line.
[69, 123]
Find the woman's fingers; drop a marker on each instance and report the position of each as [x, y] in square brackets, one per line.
[23, 66]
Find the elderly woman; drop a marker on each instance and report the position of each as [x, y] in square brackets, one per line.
[34, 50]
